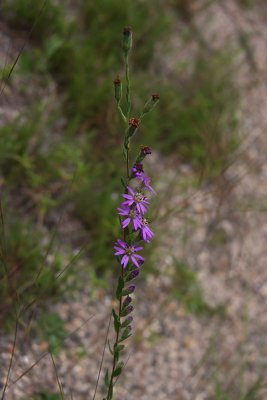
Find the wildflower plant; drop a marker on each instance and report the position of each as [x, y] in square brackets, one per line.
[137, 191]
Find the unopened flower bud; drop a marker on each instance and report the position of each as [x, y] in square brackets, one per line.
[154, 99]
[127, 39]
[130, 289]
[126, 333]
[133, 125]
[127, 301]
[117, 89]
[146, 150]
[127, 321]
[132, 275]
[126, 311]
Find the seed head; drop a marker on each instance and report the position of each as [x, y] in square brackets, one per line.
[127, 39]
[134, 122]
[133, 125]
[117, 89]
[145, 150]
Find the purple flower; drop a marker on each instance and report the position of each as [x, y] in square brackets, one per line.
[137, 169]
[126, 310]
[130, 215]
[131, 289]
[146, 232]
[127, 301]
[146, 180]
[132, 275]
[128, 253]
[136, 198]
[139, 174]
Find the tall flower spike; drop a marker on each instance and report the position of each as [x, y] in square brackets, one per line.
[131, 211]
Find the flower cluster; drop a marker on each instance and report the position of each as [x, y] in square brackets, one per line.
[132, 212]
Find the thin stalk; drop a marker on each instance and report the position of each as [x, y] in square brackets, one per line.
[127, 165]
[110, 387]
[127, 77]
[121, 113]
[109, 396]
[102, 358]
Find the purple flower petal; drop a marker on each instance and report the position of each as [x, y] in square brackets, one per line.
[120, 252]
[137, 248]
[124, 260]
[131, 190]
[127, 196]
[122, 243]
[126, 222]
[135, 262]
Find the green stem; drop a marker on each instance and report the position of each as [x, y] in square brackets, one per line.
[110, 391]
[128, 99]
[110, 387]
[127, 165]
[121, 113]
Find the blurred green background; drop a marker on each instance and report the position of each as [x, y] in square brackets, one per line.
[60, 153]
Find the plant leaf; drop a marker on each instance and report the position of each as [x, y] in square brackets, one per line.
[118, 369]
[120, 287]
[106, 378]
[117, 323]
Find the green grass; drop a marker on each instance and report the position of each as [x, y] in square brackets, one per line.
[202, 120]
[41, 18]
[187, 290]
[27, 277]
[51, 329]
[195, 119]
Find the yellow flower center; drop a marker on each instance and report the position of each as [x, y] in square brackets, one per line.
[132, 213]
[129, 251]
[138, 197]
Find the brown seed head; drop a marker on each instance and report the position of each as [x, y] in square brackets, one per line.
[117, 81]
[127, 31]
[146, 150]
[155, 96]
[134, 122]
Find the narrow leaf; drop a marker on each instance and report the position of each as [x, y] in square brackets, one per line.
[119, 347]
[106, 378]
[125, 337]
[118, 369]
[116, 321]
[110, 349]
[120, 287]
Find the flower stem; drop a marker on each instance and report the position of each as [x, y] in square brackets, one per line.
[110, 388]
[128, 99]
[121, 113]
